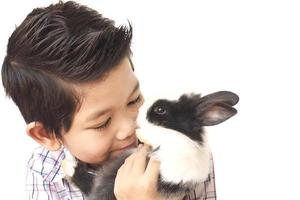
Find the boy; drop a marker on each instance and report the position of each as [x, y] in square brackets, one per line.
[69, 71]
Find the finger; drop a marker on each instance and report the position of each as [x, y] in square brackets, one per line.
[140, 159]
[120, 174]
[152, 170]
[126, 167]
[128, 163]
[120, 180]
[140, 146]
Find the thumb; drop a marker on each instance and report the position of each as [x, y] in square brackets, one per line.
[152, 170]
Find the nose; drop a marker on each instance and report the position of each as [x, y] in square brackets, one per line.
[126, 129]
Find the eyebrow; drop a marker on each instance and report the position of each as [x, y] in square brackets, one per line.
[98, 113]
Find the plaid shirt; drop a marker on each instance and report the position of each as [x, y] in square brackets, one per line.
[45, 179]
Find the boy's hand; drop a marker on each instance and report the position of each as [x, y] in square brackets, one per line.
[135, 179]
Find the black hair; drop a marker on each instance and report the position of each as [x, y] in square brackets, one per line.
[54, 49]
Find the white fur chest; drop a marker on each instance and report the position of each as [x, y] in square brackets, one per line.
[182, 159]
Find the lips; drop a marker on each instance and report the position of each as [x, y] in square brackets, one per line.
[132, 144]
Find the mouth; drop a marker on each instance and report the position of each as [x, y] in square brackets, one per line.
[131, 145]
[115, 153]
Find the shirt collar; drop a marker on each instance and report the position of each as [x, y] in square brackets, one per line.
[48, 163]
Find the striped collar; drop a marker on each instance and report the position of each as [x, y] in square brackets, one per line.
[47, 163]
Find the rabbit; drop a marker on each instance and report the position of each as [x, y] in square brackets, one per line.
[174, 129]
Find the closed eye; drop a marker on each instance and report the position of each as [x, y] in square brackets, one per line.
[135, 101]
[104, 125]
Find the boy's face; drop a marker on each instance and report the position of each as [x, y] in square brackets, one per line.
[106, 120]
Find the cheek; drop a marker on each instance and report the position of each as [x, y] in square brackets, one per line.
[93, 154]
[88, 149]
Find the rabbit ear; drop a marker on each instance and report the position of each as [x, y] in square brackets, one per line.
[226, 97]
[214, 114]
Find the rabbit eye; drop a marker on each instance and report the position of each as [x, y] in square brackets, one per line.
[160, 110]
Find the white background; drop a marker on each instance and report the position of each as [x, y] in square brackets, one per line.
[248, 47]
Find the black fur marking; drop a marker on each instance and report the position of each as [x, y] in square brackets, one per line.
[82, 178]
[172, 190]
[156, 149]
[180, 115]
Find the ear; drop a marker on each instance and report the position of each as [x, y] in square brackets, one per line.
[37, 131]
[215, 114]
[226, 97]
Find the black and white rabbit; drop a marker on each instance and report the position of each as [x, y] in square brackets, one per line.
[174, 129]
